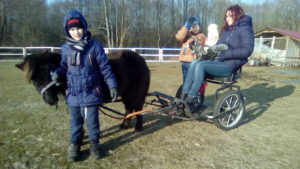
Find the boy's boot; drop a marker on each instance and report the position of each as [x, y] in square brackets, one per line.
[73, 152]
[95, 150]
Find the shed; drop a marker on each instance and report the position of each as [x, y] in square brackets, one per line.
[285, 42]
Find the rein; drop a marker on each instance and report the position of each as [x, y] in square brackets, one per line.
[122, 116]
[48, 86]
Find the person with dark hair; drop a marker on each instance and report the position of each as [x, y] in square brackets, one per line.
[190, 32]
[85, 64]
[237, 34]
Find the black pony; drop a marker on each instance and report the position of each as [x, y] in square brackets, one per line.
[130, 69]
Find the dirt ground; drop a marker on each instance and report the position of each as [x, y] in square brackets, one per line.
[35, 135]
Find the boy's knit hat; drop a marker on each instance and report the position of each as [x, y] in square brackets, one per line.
[194, 21]
[74, 23]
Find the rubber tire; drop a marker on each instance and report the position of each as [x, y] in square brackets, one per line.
[238, 98]
[178, 92]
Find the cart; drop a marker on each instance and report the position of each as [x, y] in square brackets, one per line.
[227, 111]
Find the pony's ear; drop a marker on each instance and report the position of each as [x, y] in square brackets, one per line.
[46, 52]
[20, 66]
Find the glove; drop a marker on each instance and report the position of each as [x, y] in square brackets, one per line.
[188, 23]
[215, 51]
[219, 48]
[211, 54]
[54, 77]
[113, 94]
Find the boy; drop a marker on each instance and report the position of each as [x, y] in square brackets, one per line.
[84, 63]
[190, 32]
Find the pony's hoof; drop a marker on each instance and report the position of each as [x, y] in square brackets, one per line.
[125, 126]
[139, 129]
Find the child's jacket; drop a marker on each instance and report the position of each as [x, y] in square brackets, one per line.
[84, 81]
[186, 38]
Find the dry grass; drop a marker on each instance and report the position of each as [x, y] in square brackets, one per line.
[34, 135]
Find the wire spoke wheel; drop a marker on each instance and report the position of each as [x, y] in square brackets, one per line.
[230, 109]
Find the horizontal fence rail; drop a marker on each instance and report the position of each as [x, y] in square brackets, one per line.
[150, 54]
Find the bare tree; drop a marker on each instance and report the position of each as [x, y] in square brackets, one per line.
[185, 9]
[158, 22]
[107, 23]
[131, 22]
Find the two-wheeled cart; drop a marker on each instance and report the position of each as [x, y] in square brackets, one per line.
[227, 111]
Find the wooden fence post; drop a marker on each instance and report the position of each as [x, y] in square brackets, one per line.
[24, 52]
[160, 55]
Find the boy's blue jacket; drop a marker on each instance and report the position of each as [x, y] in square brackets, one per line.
[240, 41]
[84, 81]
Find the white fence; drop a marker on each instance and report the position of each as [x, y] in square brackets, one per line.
[150, 54]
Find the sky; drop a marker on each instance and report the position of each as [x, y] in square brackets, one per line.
[245, 1]
[253, 1]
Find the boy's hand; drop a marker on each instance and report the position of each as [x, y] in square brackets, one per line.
[54, 77]
[188, 23]
[113, 94]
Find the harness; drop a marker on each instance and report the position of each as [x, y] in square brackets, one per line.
[48, 86]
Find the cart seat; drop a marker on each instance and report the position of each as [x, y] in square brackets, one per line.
[232, 78]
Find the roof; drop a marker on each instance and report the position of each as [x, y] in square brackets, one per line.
[289, 33]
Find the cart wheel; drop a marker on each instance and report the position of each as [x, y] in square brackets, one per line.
[200, 96]
[178, 92]
[230, 103]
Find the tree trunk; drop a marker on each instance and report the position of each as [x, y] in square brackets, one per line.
[158, 22]
[107, 24]
[185, 9]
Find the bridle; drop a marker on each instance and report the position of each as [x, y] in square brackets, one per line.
[48, 86]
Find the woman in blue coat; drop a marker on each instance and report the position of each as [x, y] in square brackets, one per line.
[237, 34]
[85, 64]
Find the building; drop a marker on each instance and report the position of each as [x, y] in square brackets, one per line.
[283, 44]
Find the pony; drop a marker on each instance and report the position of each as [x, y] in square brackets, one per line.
[130, 69]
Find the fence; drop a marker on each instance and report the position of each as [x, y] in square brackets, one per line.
[150, 54]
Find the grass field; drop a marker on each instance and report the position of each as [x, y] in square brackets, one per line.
[35, 135]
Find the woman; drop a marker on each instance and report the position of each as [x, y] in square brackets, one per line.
[237, 34]
[190, 32]
[84, 63]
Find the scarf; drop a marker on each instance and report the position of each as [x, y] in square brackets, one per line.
[78, 46]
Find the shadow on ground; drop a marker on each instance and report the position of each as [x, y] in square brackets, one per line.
[261, 95]
[152, 123]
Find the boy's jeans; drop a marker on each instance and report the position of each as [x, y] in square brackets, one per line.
[77, 117]
[184, 68]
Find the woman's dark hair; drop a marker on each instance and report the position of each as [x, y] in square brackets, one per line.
[237, 13]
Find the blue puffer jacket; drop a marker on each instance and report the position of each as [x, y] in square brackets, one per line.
[84, 81]
[240, 41]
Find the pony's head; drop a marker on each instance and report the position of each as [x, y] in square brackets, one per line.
[37, 68]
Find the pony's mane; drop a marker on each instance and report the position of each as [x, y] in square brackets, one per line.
[28, 71]
[33, 62]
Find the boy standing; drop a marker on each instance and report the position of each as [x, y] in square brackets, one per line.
[190, 32]
[84, 63]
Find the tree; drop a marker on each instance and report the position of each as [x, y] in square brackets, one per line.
[127, 23]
